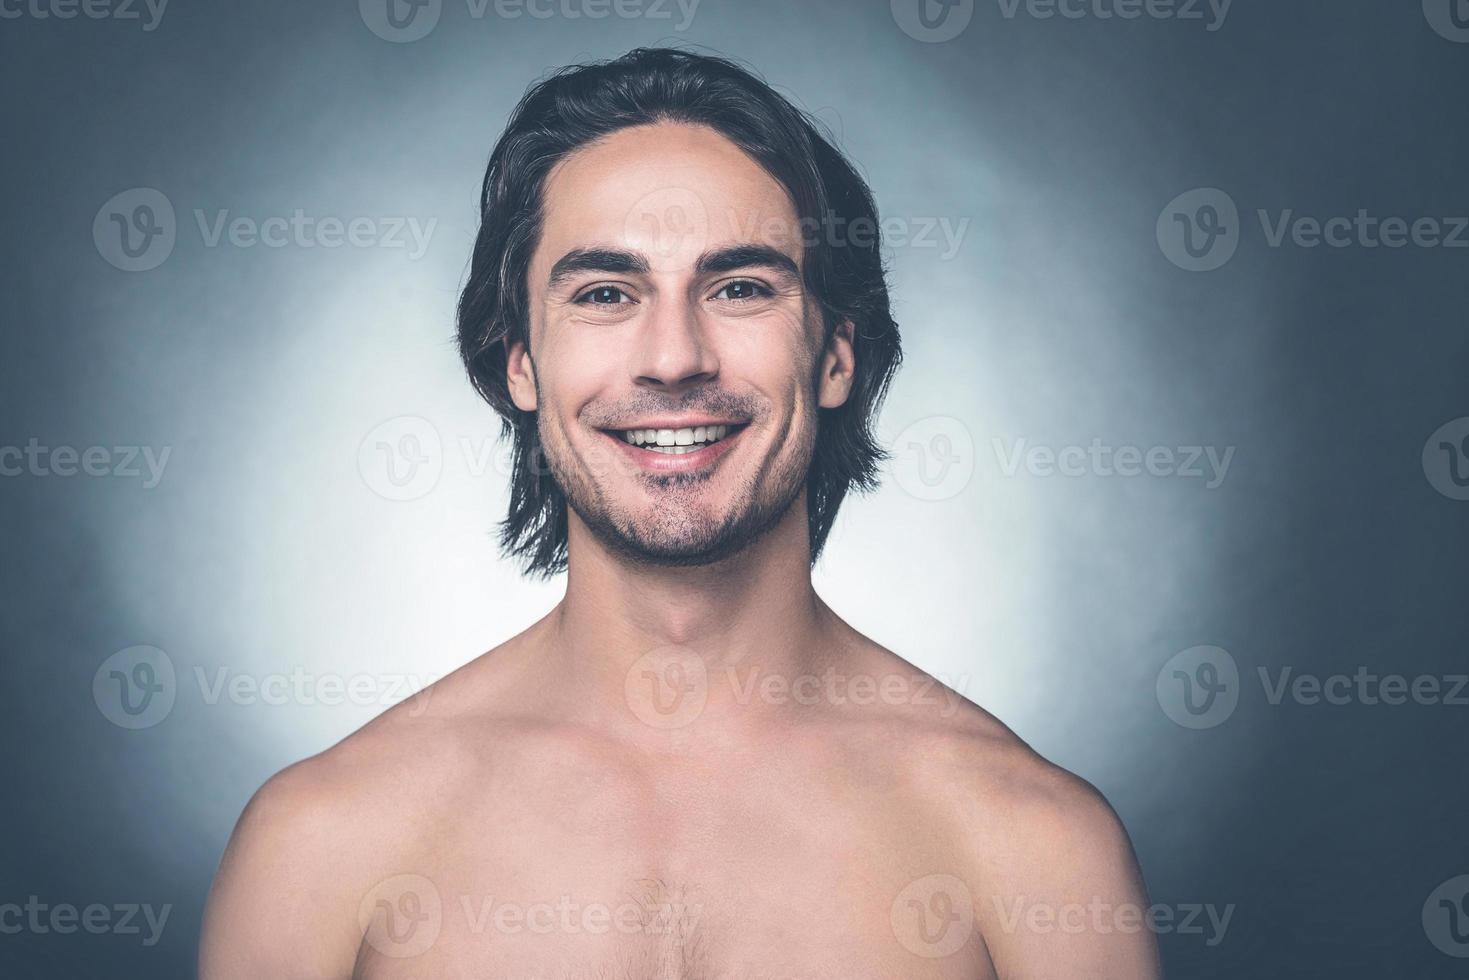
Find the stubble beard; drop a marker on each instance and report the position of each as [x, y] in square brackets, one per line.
[678, 532]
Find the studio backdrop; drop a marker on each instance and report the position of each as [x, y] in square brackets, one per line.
[1179, 476]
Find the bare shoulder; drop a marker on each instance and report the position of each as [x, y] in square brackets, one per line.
[1054, 883]
[316, 836]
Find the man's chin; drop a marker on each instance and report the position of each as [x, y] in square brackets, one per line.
[655, 543]
[681, 540]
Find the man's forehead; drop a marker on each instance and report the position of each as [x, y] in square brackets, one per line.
[668, 191]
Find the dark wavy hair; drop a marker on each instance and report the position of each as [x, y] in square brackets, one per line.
[582, 103]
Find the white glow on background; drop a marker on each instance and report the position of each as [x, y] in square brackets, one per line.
[1031, 330]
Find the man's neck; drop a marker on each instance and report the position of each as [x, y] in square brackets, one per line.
[752, 614]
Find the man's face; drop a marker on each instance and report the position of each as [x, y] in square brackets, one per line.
[676, 362]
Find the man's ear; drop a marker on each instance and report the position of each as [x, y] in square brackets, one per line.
[838, 367]
[520, 375]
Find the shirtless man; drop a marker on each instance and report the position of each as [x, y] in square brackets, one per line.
[691, 768]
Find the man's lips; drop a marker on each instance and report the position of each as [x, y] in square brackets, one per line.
[668, 449]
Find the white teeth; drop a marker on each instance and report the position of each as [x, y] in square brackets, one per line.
[676, 441]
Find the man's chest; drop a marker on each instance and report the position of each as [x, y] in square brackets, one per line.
[759, 887]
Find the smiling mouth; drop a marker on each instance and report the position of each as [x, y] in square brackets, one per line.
[677, 442]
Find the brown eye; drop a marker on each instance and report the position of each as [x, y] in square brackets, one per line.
[742, 289]
[602, 296]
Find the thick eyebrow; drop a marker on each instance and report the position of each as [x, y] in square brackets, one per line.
[622, 261]
[742, 257]
[596, 259]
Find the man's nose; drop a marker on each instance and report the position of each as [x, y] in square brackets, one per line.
[673, 348]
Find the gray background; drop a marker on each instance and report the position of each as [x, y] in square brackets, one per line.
[270, 544]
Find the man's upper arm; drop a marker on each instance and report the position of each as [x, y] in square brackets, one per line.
[1062, 894]
[281, 903]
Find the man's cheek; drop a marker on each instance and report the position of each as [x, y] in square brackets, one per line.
[604, 460]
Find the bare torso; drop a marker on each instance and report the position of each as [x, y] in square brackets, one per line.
[493, 827]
